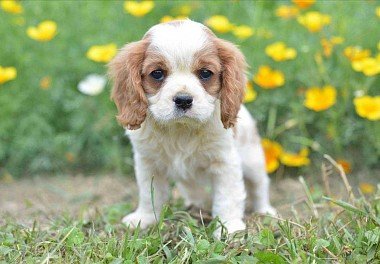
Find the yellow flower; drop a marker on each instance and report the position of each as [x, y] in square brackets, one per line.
[185, 10]
[272, 151]
[250, 93]
[337, 40]
[7, 74]
[319, 99]
[287, 12]
[11, 6]
[369, 66]
[356, 53]
[345, 165]
[166, 19]
[279, 52]
[45, 31]
[6, 178]
[138, 9]
[295, 159]
[219, 23]
[328, 45]
[268, 78]
[70, 157]
[303, 3]
[314, 21]
[366, 188]
[368, 107]
[103, 53]
[378, 11]
[243, 31]
[45, 83]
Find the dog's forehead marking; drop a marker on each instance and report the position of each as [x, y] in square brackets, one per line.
[178, 41]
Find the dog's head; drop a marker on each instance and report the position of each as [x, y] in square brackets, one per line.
[179, 72]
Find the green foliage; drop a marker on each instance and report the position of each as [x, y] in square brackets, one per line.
[60, 129]
[340, 235]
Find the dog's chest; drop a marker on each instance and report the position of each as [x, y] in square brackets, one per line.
[181, 155]
[184, 157]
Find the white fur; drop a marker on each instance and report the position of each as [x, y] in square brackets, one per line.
[193, 148]
[178, 43]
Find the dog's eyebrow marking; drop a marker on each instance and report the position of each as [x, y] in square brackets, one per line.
[207, 56]
[153, 58]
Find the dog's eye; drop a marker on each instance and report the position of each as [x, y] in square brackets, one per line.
[158, 75]
[205, 74]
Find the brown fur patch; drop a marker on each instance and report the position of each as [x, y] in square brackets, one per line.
[128, 93]
[153, 61]
[208, 58]
[233, 80]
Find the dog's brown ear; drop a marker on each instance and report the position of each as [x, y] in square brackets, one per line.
[233, 81]
[128, 93]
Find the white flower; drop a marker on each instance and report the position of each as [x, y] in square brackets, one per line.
[359, 93]
[92, 85]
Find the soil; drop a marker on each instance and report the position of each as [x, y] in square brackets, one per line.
[44, 198]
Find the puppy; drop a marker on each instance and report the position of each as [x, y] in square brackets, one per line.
[179, 95]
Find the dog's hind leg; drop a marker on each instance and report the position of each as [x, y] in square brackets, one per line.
[256, 178]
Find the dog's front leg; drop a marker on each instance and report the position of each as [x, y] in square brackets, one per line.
[151, 184]
[228, 193]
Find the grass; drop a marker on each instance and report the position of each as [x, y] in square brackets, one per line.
[324, 231]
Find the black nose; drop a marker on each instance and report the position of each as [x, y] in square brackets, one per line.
[183, 101]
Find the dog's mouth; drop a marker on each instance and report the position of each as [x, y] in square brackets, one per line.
[183, 116]
[179, 113]
[187, 114]
[180, 116]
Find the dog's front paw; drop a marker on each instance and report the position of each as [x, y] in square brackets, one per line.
[145, 219]
[232, 226]
[267, 210]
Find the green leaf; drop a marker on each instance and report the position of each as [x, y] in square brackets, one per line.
[373, 236]
[142, 259]
[321, 243]
[167, 252]
[4, 250]
[189, 235]
[75, 238]
[268, 257]
[266, 237]
[203, 245]
[246, 259]
[215, 259]
[117, 261]
[219, 247]
[347, 206]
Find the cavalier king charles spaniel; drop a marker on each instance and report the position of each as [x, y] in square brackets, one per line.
[179, 95]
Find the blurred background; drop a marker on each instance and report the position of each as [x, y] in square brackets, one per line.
[314, 80]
